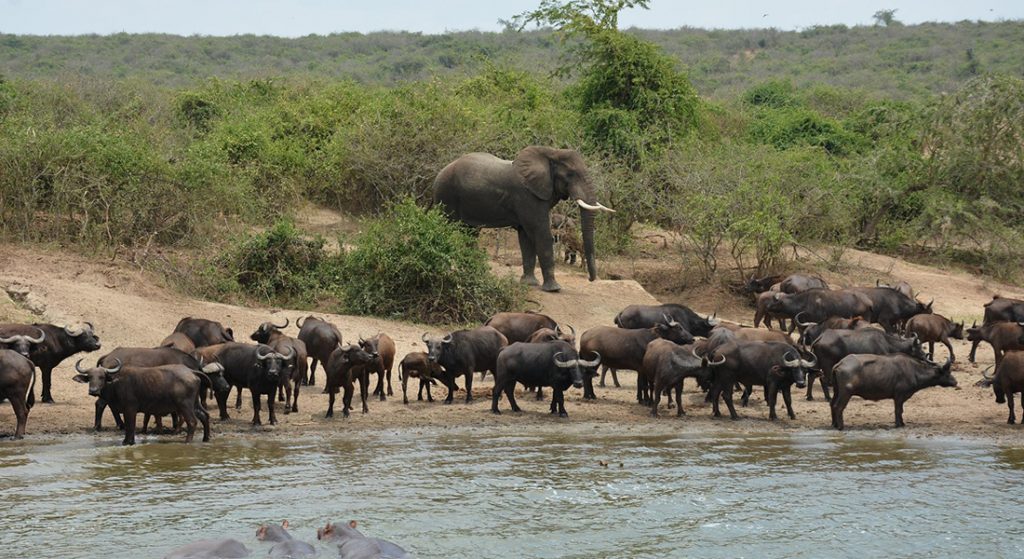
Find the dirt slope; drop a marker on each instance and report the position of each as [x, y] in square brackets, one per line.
[129, 308]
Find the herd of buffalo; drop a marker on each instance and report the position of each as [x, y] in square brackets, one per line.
[866, 342]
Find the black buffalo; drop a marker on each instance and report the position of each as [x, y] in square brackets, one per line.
[774, 365]
[834, 345]
[256, 367]
[554, 364]
[61, 342]
[665, 366]
[999, 309]
[463, 353]
[340, 370]
[321, 339]
[892, 308]
[817, 305]
[519, 326]
[270, 334]
[623, 348]
[16, 378]
[204, 332]
[884, 377]
[646, 316]
[169, 389]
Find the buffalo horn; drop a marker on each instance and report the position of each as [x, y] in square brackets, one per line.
[78, 366]
[572, 330]
[447, 339]
[598, 207]
[115, 369]
[262, 356]
[424, 337]
[290, 354]
[717, 363]
[564, 364]
[803, 324]
[809, 364]
[281, 327]
[39, 340]
[73, 332]
[593, 363]
[986, 377]
[9, 339]
[298, 322]
[790, 362]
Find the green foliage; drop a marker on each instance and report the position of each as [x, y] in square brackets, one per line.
[416, 265]
[786, 128]
[633, 100]
[278, 266]
[775, 94]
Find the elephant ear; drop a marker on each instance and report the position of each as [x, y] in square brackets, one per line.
[534, 169]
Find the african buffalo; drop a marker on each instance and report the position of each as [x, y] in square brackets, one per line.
[321, 339]
[155, 357]
[155, 390]
[666, 364]
[883, 377]
[417, 365]
[256, 367]
[811, 331]
[383, 347]
[204, 332]
[339, 372]
[933, 328]
[819, 304]
[519, 326]
[17, 375]
[773, 365]
[179, 341]
[549, 335]
[891, 308]
[1002, 336]
[554, 364]
[833, 345]
[1009, 379]
[999, 309]
[761, 312]
[463, 353]
[623, 348]
[646, 316]
[60, 343]
[270, 334]
[798, 283]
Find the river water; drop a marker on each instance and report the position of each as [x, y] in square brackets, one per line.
[461, 493]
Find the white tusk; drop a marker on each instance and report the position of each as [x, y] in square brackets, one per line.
[599, 206]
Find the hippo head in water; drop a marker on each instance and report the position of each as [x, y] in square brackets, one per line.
[273, 533]
[338, 530]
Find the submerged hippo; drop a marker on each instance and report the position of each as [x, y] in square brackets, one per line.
[286, 547]
[210, 549]
[352, 544]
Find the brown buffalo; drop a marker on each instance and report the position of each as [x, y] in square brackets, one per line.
[933, 328]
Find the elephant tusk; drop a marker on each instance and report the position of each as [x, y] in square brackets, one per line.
[599, 206]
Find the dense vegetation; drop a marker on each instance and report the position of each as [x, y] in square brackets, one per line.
[900, 62]
[127, 165]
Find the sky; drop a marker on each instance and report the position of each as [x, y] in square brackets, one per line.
[304, 17]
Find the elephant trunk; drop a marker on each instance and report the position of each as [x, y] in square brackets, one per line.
[587, 227]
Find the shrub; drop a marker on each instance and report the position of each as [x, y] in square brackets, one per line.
[279, 266]
[775, 94]
[786, 128]
[414, 264]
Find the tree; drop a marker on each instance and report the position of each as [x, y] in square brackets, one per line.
[886, 18]
[633, 99]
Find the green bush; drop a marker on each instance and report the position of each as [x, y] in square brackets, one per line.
[775, 94]
[279, 266]
[414, 264]
[786, 128]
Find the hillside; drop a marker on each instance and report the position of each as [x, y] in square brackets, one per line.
[893, 62]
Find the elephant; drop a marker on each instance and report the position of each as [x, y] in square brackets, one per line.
[482, 190]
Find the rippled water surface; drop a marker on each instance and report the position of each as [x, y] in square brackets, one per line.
[538, 493]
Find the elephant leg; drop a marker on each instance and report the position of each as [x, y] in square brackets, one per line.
[529, 258]
[544, 246]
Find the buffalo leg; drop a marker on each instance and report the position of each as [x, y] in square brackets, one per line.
[256, 406]
[496, 396]
[604, 371]
[745, 397]
[280, 393]
[330, 405]
[270, 408]
[130, 417]
[615, 378]
[469, 387]
[949, 346]
[295, 394]
[838, 407]
[238, 398]
[558, 395]
[364, 386]
[727, 396]
[346, 399]
[1009, 403]
[656, 398]
[772, 397]
[222, 405]
[204, 417]
[188, 414]
[899, 413]
[713, 394]
[540, 393]
[974, 350]
[588, 388]
[679, 399]
[47, 374]
[510, 393]
[788, 399]
[19, 404]
[810, 385]
[405, 386]
[390, 392]
[824, 388]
